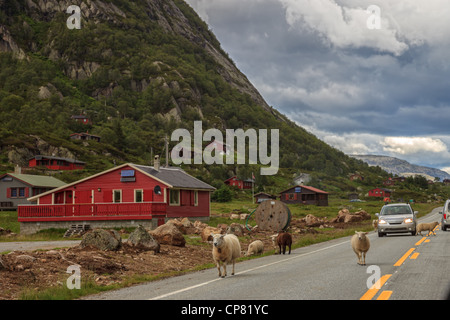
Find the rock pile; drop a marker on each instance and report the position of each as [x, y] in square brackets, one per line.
[6, 232]
[346, 216]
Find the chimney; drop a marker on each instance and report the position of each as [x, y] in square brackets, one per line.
[17, 169]
[156, 163]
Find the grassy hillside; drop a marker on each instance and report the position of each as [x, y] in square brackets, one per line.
[139, 70]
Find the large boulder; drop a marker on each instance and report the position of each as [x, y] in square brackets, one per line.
[107, 240]
[352, 218]
[178, 224]
[206, 233]
[141, 239]
[236, 229]
[169, 234]
[346, 216]
[363, 214]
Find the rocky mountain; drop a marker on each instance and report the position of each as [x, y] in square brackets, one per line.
[138, 70]
[401, 167]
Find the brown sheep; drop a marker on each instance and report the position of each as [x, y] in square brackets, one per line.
[426, 227]
[284, 239]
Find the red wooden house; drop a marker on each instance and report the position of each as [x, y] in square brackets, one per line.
[301, 194]
[81, 118]
[241, 184]
[122, 196]
[56, 163]
[380, 192]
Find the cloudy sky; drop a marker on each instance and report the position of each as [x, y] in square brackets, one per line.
[365, 81]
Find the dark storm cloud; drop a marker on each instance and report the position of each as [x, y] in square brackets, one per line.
[317, 62]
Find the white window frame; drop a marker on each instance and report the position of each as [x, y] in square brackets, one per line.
[135, 195]
[113, 195]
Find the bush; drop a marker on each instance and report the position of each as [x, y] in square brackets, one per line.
[224, 194]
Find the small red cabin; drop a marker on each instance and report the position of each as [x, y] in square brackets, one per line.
[124, 195]
[241, 184]
[380, 192]
[55, 163]
[301, 194]
[81, 118]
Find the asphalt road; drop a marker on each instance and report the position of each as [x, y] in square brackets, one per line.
[408, 267]
[35, 245]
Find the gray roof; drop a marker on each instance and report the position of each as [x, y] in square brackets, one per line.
[175, 177]
[38, 181]
[40, 157]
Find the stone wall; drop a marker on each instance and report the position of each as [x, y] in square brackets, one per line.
[33, 227]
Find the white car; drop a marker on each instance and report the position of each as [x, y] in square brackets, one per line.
[397, 218]
[445, 223]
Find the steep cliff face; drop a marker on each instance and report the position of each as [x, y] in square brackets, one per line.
[167, 14]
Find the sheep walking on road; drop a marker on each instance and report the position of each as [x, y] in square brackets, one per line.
[284, 239]
[226, 249]
[426, 227]
[256, 247]
[360, 244]
[375, 224]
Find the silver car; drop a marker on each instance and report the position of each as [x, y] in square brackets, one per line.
[445, 223]
[396, 218]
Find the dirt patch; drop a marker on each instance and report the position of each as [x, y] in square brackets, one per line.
[36, 270]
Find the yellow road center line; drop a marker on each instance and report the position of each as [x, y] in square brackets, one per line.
[375, 288]
[402, 259]
[420, 241]
[385, 295]
[414, 255]
[428, 240]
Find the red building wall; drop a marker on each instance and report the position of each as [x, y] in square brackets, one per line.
[100, 190]
[53, 164]
[379, 193]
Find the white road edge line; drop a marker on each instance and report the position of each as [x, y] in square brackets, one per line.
[245, 271]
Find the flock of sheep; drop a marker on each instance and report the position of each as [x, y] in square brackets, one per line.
[226, 248]
[361, 244]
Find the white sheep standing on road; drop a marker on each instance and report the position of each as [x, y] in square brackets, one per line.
[256, 247]
[226, 249]
[360, 244]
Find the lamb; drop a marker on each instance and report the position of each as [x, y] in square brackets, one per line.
[375, 224]
[256, 247]
[284, 239]
[426, 227]
[226, 249]
[274, 241]
[360, 244]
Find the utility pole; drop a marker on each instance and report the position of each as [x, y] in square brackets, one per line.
[166, 139]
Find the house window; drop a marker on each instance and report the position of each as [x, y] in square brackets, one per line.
[195, 198]
[138, 196]
[117, 196]
[174, 197]
[291, 196]
[17, 193]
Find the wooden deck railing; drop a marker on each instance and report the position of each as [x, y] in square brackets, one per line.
[102, 211]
